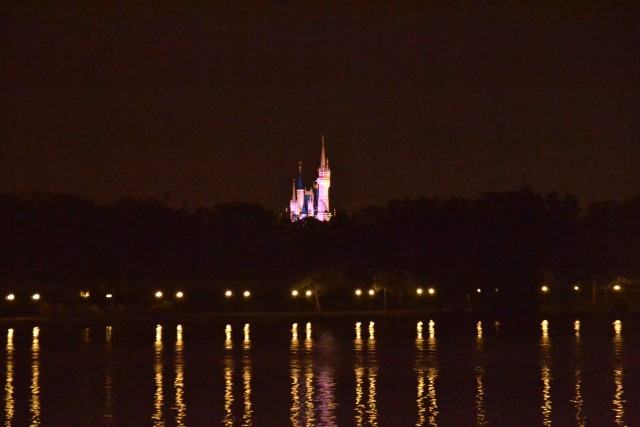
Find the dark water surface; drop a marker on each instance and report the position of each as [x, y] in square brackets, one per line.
[443, 371]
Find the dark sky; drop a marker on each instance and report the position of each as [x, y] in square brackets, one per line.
[219, 104]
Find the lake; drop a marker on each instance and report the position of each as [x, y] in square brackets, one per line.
[339, 371]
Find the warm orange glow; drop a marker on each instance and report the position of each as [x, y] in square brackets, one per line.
[479, 290]
[294, 293]
[544, 288]
[576, 288]
[419, 291]
[35, 297]
[84, 294]
[109, 296]
[179, 294]
[246, 294]
[158, 294]
[431, 291]
[228, 293]
[308, 293]
[617, 287]
[358, 292]
[10, 297]
[371, 292]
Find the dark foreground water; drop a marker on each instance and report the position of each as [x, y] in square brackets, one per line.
[336, 372]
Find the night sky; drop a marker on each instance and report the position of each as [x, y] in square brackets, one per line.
[219, 104]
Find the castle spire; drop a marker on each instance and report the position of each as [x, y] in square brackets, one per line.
[323, 160]
[293, 193]
[300, 181]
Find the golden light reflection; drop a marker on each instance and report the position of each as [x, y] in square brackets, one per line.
[481, 416]
[228, 344]
[108, 380]
[365, 369]
[419, 330]
[372, 362]
[545, 373]
[180, 407]
[302, 412]
[85, 336]
[158, 397]
[228, 387]
[426, 361]
[359, 371]
[9, 399]
[618, 376]
[247, 415]
[578, 400]
[496, 324]
[310, 415]
[295, 373]
[34, 402]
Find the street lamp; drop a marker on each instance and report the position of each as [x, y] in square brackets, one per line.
[10, 297]
[85, 294]
[358, 292]
[228, 294]
[371, 292]
[158, 294]
[576, 288]
[431, 291]
[246, 294]
[35, 297]
[617, 288]
[544, 288]
[308, 292]
[108, 296]
[179, 294]
[294, 293]
[419, 291]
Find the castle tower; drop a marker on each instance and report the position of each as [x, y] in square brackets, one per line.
[323, 182]
[300, 192]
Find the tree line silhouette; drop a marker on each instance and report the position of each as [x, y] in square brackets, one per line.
[491, 252]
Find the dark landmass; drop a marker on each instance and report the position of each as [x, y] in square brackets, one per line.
[490, 254]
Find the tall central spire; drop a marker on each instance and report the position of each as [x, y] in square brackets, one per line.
[323, 159]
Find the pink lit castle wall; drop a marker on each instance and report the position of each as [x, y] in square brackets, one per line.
[314, 202]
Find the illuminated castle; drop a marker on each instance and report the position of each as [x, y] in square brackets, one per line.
[314, 202]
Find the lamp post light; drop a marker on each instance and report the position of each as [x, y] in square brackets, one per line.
[308, 293]
[35, 297]
[246, 294]
[617, 288]
[295, 293]
[419, 291]
[10, 297]
[431, 291]
[544, 289]
[358, 292]
[108, 296]
[228, 293]
[371, 292]
[158, 294]
[179, 295]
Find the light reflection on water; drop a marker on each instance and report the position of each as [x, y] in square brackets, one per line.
[365, 368]
[158, 398]
[481, 417]
[34, 407]
[426, 368]
[9, 402]
[180, 406]
[302, 412]
[545, 373]
[578, 400]
[568, 386]
[618, 375]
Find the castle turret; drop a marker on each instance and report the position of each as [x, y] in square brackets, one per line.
[324, 182]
